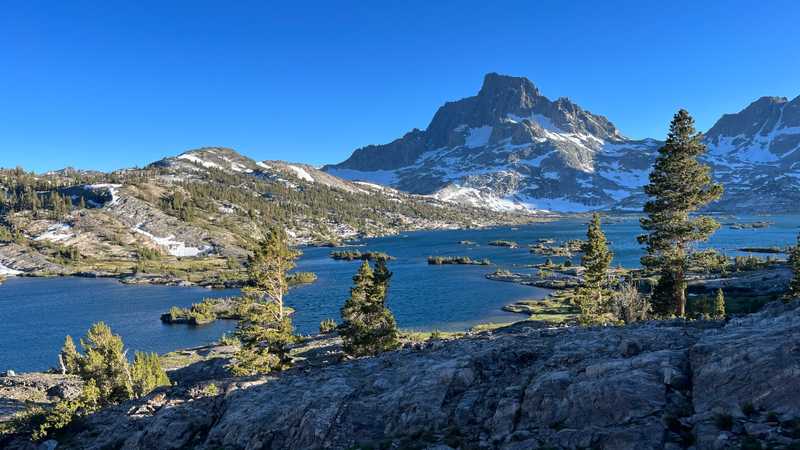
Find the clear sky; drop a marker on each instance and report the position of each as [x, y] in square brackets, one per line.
[108, 84]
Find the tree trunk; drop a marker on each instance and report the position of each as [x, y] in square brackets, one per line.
[680, 292]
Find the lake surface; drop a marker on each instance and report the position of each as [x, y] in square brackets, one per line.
[36, 314]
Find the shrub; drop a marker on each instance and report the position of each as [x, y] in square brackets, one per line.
[301, 278]
[147, 374]
[327, 326]
[210, 390]
[628, 304]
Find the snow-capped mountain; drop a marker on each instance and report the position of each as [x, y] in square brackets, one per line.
[755, 155]
[509, 147]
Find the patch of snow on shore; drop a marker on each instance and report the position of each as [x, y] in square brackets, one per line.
[173, 246]
[7, 271]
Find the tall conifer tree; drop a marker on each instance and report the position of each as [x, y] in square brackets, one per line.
[265, 328]
[368, 327]
[596, 260]
[679, 185]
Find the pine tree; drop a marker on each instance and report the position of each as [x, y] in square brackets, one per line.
[679, 185]
[69, 357]
[265, 329]
[147, 373]
[719, 305]
[794, 263]
[368, 327]
[104, 361]
[592, 296]
[268, 266]
[383, 324]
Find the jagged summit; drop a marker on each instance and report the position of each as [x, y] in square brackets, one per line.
[510, 147]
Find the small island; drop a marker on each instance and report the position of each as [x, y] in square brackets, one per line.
[749, 226]
[353, 255]
[547, 247]
[503, 243]
[457, 260]
[204, 312]
[762, 250]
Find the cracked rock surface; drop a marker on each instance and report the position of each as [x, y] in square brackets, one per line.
[655, 385]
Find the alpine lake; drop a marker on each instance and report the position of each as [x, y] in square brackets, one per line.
[37, 313]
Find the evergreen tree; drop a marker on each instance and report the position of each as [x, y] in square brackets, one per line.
[69, 357]
[794, 263]
[268, 266]
[719, 305]
[147, 373]
[265, 328]
[383, 324]
[368, 327]
[679, 185]
[591, 298]
[104, 362]
[107, 376]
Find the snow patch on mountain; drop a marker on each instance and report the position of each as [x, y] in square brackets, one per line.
[474, 197]
[112, 189]
[202, 162]
[301, 173]
[56, 233]
[478, 137]
[173, 246]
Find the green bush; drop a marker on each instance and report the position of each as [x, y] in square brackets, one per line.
[327, 326]
[147, 374]
[297, 278]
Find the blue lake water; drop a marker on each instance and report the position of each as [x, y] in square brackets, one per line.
[36, 314]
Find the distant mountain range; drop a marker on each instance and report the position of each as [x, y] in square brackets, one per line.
[511, 148]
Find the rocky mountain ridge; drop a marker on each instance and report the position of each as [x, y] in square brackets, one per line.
[511, 148]
[653, 385]
[205, 203]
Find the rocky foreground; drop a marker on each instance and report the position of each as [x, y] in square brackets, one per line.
[655, 385]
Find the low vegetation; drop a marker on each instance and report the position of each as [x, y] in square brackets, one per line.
[206, 311]
[503, 243]
[355, 255]
[108, 379]
[464, 260]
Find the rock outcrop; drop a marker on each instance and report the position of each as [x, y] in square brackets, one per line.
[655, 385]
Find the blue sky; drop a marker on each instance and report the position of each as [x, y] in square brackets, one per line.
[110, 84]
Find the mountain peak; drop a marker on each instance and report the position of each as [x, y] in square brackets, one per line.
[760, 116]
[495, 84]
